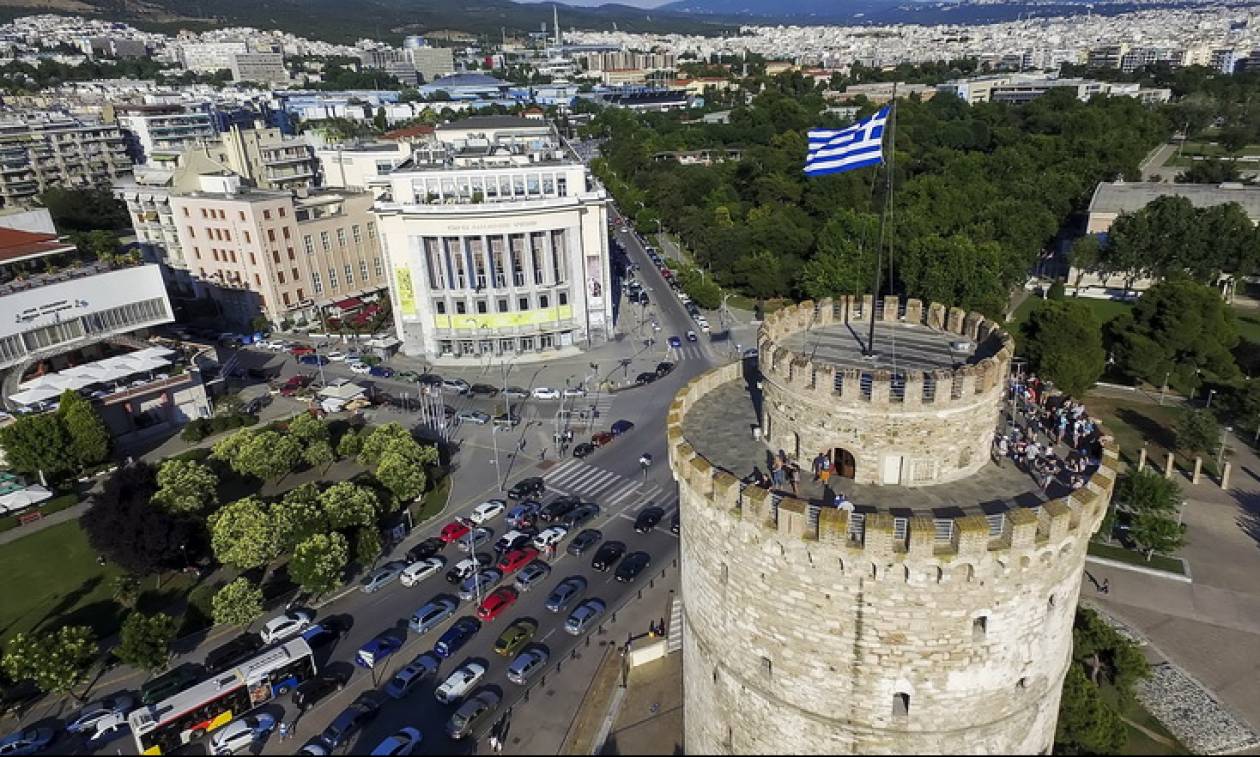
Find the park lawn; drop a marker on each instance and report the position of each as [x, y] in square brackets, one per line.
[1248, 321]
[1120, 554]
[1207, 149]
[433, 503]
[1103, 310]
[1139, 741]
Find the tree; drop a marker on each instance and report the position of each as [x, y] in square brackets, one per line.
[401, 475]
[85, 209]
[1063, 342]
[319, 562]
[347, 505]
[1155, 532]
[1147, 490]
[350, 443]
[55, 661]
[89, 438]
[185, 486]
[243, 535]
[238, 603]
[367, 545]
[35, 444]
[845, 263]
[266, 455]
[1197, 431]
[126, 590]
[145, 640]
[1210, 171]
[306, 428]
[379, 439]
[124, 526]
[1086, 725]
[1084, 256]
[297, 517]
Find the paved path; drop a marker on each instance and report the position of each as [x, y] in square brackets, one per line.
[1154, 164]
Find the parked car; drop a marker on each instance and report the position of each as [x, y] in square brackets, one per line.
[583, 449]
[513, 539]
[503, 420]
[527, 487]
[430, 380]
[515, 636]
[425, 665]
[381, 577]
[474, 539]
[427, 548]
[584, 616]
[104, 715]
[608, 554]
[378, 648]
[549, 537]
[574, 391]
[691, 335]
[516, 559]
[585, 539]
[233, 652]
[28, 741]
[530, 575]
[335, 356]
[294, 385]
[644, 378]
[516, 392]
[558, 508]
[675, 342]
[466, 567]
[526, 664]
[381, 371]
[648, 519]
[455, 530]
[352, 719]
[170, 683]
[601, 439]
[460, 682]
[564, 593]
[621, 427]
[421, 570]
[580, 515]
[473, 416]
[545, 393]
[313, 360]
[496, 603]
[403, 742]
[314, 689]
[483, 390]
[459, 386]
[240, 733]
[487, 510]
[432, 614]
[523, 515]
[663, 369]
[634, 564]
[285, 626]
[327, 632]
[471, 714]
[479, 583]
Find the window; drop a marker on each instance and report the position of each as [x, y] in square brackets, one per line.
[546, 341]
[502, 305]
[286, 232]
[294, 271]
[282, 212]
[481, 307]
[317, 282]
[275, 256]
[901, 705]
[252, 259]
[257, 281]
[979, 627]
[341, 237]
[767, 666]
[349, 274]
[308, 244]
[280, 276]
[379, 271]
[371, 230]
[363, 270]
[197, 252]
[285, 297]
[543, 301]
[204, 214]
[441, 307]
[248, 239]
[461, 307]
[233, 254]
[357, 234]
[332, 277]
[301, 294]
[192, 234]
[291, 255]
[227, 235]
[1021, 684]
[241, 214]
[267, 215]
[523, 302]
[325, 241]
[271, 235]
[185, 209]
[222, 214]
[215, 252]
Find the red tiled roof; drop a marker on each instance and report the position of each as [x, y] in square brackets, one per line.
[419, 130]
[16, 244]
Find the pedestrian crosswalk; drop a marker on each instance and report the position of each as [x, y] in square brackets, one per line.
[611, 491]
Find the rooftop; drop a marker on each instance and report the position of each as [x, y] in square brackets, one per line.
[16, 245]
[1129, 197]
[898, 346]
[491, 122]
[467, 80]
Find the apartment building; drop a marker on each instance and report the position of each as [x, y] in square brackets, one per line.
[162, 131]
[209, 57]
[277, 254]
[261, 68]
[361, 167]
[497, 244]
[408, 63]
[44, 150]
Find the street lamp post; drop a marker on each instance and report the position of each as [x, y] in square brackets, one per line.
[1164, 389]
[1209, 399]
[1220, 455]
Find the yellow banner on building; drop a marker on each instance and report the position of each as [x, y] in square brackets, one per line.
[406, 292]
[503, 320]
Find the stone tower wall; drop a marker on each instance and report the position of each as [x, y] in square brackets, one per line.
[917, 428]
[805, 638]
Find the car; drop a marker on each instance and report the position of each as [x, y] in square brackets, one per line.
[170, 683]
[634, 564]
[233, 653]
[105, 711]
[601, 439]
[403, 742]
[691, 336]
[545, 393]
[648, 519]
[285, 626]
[409, 376]
[240, 733]
[324, 634]
[512, 540]
[483, 390]
[503, 420]
[608, 554]
[487, 510]
[583, 616]
[378, 648]
[300, 350]
[516, 392]
[656, 326]
[294, 385]
[516, 559]
[530, 575]
[749, 353]
[361, 711]
[466, 567]
[526, 664]
[381, 371]
[314, 689]
[455, 530]
[523, 515]
[621, 427]
[433, 614]
[427, 548]
[479, 583]
[645, 378]
[381, 577]
[430, 380]
[704, 325]
[675, 342]
[335, 356]
[473, 416]
[471, 714]
[421, 570]
[315, 747]
[564, 593]
[424, 665]
[663, 369]
[583, 449]
[28, 741]
[459, 386]
[575, 391]
[313, 359]
[527, 487]
[256, 405]
[580, 515]
[473, 539]
[674, 523]
[585, 539]
[460, 682]
[558, 508]
[549, 537]
[496, 603]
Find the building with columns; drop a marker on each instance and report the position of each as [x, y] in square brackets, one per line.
[497, 244]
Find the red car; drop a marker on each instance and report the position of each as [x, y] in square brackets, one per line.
[499, 600]
[301, 349]
[602, 438]
[294, 383]
[516, 559]
[455, 530]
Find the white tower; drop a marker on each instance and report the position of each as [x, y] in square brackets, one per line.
[555, 23]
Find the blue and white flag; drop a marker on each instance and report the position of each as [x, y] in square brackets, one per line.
[840, 150]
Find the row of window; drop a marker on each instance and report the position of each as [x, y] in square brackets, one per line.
[539, 258]
[218, 213]
[121, 318]
[490, 188]
[501, 304]
[318, 282]
[503, 346]
[325, 239]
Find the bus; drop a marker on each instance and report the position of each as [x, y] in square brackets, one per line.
[200, 709]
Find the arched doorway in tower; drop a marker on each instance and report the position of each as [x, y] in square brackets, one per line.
[842, 463]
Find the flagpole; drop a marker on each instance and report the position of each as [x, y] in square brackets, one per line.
[879, 251]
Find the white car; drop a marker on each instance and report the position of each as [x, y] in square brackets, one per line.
[549, 537]
[239, 734]
[335, 356]
[103, 716]
[487, 510]
[290, 624]
[576, 391]
[360, 368]
[704, 326]
[460, 682]
[403, 742]
[419, 571]
[546, 393]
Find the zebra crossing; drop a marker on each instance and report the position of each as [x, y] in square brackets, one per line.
[613, 492]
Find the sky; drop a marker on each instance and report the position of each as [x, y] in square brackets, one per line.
[592, 3]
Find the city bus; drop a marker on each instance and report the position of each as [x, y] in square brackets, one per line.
[200, 709]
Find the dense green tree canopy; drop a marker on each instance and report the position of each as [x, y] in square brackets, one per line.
[242, 534]
[55, 660]
[89, 438]
[1063, 342]
[145, 640]
[185, 486]
[319, 562]
[238, 603]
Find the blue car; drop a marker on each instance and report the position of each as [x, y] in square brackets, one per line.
[313, 360]
[675, 342]
[456, 636]
[29, 741]
[376, 650]
[381, 371]
[621, 427]
[523, 514]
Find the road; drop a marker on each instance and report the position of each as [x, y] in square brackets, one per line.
[611, 477]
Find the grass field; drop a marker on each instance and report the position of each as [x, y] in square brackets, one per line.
[1248, 321]
[1146, 734]
[1192, 150]
[1104, 310]
[1120, 554]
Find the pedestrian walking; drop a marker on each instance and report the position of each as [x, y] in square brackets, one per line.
[795, 479]
[1105, 587]
[283, 730]
[824, 472]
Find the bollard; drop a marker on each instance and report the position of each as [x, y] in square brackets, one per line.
[651, 585]
[588, 641]
[573, 653]
[1141, 466]
[640, 594]
[1225, 475]
[1198, 469]
[1168, 466]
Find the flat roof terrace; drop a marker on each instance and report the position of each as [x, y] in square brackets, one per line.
[898, 346]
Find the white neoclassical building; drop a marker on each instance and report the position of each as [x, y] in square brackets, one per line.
[497, 239]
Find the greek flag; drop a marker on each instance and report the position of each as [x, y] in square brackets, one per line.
[840, 150]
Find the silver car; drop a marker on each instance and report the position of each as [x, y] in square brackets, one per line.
[382, 576]
[431, 615]
[526, 664]
[584, 616]
[479, 584]
[472, 714]
[530, 575]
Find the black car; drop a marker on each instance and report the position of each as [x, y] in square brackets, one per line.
[527, 487]
[427, 548]
[557, 509]
[648, 519]
[352, 719]
[482, 390]
[644, 378]
[674, 523]
[429, 379]
[503, 419]
[585, 539]
[322, 635]
[634, 564]
[580, 515]
[608, 554]
[663, 369]
[235, 651]
[583, 449]
[312, 690]
[621, 427]
[516, 391]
